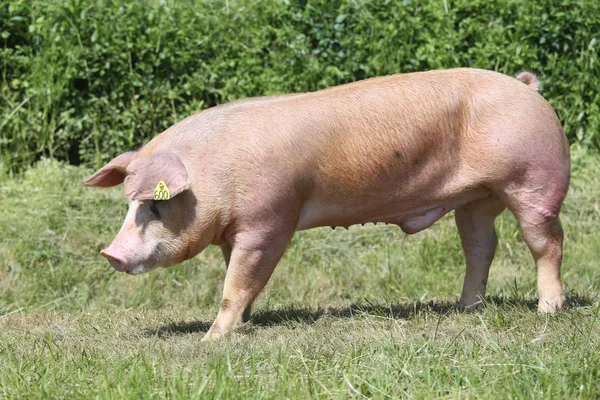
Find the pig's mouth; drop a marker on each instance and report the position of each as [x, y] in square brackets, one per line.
[138, 269]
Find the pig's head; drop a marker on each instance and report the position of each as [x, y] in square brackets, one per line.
[155, 232]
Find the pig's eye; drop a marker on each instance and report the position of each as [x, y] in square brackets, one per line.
[154, 209]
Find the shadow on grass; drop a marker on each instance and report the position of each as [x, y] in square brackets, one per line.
[307, 315]
[397, 310]
[177, 328]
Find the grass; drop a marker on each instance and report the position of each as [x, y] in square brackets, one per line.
[365, 313]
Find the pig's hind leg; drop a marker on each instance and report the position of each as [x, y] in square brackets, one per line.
[253, 257]
[475, 222]
[536, 201]
[543, 234]
[545, 239]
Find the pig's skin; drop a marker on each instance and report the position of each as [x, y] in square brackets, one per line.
[403, 149]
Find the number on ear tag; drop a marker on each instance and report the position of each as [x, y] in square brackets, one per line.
[162, 191]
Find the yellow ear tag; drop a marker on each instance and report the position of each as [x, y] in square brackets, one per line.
[162, 191]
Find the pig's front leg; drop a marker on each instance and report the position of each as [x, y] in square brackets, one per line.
[226, 250]
[253, 258]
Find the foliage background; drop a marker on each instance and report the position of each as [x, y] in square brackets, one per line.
[365, 313]
[85, 80]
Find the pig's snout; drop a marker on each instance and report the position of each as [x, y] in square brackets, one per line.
[116, 260]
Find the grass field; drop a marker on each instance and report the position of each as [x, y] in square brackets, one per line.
[367, 313]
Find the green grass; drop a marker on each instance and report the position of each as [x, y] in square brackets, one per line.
[365, 313]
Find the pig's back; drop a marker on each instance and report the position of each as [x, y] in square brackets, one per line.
[387, 142]
[396, 144]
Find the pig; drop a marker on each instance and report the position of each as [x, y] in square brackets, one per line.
[403, 149]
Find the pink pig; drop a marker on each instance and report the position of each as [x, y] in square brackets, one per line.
[402, 149]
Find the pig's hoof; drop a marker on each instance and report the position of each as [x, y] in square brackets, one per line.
[211, 336]
[551, 305]
[213, 333]
[470, 306]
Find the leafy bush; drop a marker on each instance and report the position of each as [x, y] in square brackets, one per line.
[83, 81]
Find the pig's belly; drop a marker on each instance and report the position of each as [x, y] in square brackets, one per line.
[315, 212]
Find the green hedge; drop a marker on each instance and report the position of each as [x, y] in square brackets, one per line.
[85, 80]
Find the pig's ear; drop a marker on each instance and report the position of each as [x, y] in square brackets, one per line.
[145, 174]
[112, 173]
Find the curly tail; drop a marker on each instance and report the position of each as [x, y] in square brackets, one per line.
[529, 79]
